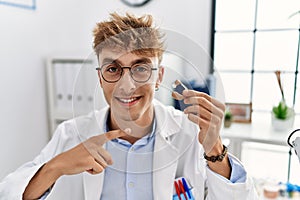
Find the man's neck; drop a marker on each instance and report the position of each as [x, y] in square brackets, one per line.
[139, 128]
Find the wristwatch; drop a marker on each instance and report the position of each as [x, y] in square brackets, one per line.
[135, 3]
[218, 157]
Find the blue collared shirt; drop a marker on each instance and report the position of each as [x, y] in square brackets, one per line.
[130, 175]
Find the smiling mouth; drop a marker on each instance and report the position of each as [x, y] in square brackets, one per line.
[128, 101]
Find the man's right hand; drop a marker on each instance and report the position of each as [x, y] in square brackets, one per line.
[87, 156]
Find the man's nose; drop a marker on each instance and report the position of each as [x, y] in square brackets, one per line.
[126, 83]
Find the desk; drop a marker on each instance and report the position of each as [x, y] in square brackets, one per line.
[260, 131]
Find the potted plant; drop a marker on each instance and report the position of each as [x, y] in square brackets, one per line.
[227, 118]
[282, 115]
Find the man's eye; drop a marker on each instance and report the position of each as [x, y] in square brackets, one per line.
[112, 69]
[141, 68]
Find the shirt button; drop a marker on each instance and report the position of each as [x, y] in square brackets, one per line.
[131, 184]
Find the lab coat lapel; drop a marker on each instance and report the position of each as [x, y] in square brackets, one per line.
[92, 185]
[165, 154]
[164, 169]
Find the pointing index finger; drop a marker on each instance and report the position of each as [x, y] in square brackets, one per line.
[115, 134]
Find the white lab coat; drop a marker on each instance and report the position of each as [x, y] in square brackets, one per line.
[177, 154]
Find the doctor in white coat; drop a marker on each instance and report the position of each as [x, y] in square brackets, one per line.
[136, 147]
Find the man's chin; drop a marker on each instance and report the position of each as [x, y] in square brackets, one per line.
[127, 118]
[125, 113]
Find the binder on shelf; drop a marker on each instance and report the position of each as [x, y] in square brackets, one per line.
[59, 85]
[69, 80]
[79, 90]
[91, 85]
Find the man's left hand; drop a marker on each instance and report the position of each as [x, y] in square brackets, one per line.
[207, 112]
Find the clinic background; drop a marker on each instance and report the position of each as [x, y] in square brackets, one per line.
[58, 28]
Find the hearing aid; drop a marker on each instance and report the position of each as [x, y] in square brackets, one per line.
[179, 87]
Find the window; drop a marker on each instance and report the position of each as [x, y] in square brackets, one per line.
[252, 39]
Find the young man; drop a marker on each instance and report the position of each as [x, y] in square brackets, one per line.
[136, 147]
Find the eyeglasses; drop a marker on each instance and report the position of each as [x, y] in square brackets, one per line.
[112, 72]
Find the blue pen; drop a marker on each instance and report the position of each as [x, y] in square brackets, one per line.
[186, 188]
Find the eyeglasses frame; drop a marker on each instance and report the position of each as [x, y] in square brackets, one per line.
[131, 74]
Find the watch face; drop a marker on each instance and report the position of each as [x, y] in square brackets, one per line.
[135, 3]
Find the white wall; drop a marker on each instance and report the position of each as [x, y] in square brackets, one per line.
[62, 27]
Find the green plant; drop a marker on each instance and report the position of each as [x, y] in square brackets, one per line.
[227, 118]
[228, 115]
[281, 111]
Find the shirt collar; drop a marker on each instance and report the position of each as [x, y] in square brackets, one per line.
[140, 142]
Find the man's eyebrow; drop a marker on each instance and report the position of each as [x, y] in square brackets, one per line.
[142, 60]
[108, 61]
[139, 60]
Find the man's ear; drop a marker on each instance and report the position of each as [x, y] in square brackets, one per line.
[161, 71]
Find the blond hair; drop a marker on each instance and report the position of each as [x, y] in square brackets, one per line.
[131, 33]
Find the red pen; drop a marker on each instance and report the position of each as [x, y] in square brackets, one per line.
[182, 189]
[177, 190]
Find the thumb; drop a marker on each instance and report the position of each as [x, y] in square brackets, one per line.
[177, 96]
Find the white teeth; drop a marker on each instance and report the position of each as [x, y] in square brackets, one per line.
[128, 100]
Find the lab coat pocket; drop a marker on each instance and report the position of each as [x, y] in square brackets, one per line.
[187, 197]
[182, 190]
